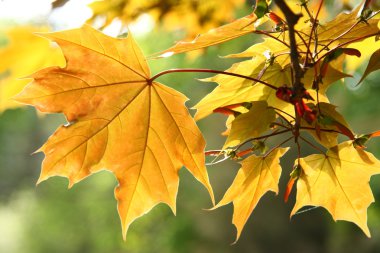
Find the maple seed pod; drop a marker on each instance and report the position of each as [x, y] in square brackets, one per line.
[309, 115]
[228, 110]
[284, 93]
[275, 18]
[287, 94]
[244, 152]
[294, 175]
[279, 22]
[360, 141]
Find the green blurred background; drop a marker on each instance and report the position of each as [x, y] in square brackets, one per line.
[50, 218]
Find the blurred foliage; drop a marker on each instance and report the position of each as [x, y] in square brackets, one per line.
[23, 53]
[50, 218]
[191, 15]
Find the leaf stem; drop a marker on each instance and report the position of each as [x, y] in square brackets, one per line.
[312, 145]
[195, 70]
[346, 43]
[281, 125]
[313, 31]
[261, 137]
[273, 37]
[276, 109]
[339, 36]
[278, 145]
[323, 130]
[346, 32]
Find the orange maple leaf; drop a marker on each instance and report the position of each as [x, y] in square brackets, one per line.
[120, 120]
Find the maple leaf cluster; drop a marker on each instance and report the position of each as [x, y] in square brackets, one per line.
[122, 120]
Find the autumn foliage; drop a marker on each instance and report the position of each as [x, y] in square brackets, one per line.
[122, 120]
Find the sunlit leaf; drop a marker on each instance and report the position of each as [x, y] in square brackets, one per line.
[257, 176]
[339, 182]
[120, 121]
[232, 90]
[373, 65]
[215, 36]
[367, 47]
[346, 27]
[23, 54]
[269, 47]
[251, 124]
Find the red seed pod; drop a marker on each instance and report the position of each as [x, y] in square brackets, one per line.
[308, 114]
[307, 95]
[294, 175]
[374, 134]
[225, 111]
[284, 93]
[288, 189]
[228, 110]
[287, 94]
[244, 152]
[275, 18]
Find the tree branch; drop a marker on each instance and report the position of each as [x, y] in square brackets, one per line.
[292, 20]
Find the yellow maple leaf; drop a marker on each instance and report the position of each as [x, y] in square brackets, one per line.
[257, 176]
[269, 47]
[235, 29]
[232, 90]
[339, 182]
[373, 65]
[366, 47]
[250, 124]
[23, 54]
[120, 120]
[345, 29]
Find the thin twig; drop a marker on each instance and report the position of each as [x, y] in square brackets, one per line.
[278, 145]
[312, 145]
[261, 137]
[346, 43]
[210, 71]
[276, 109]
[271, 36]
[280, 125]
[323, 130]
